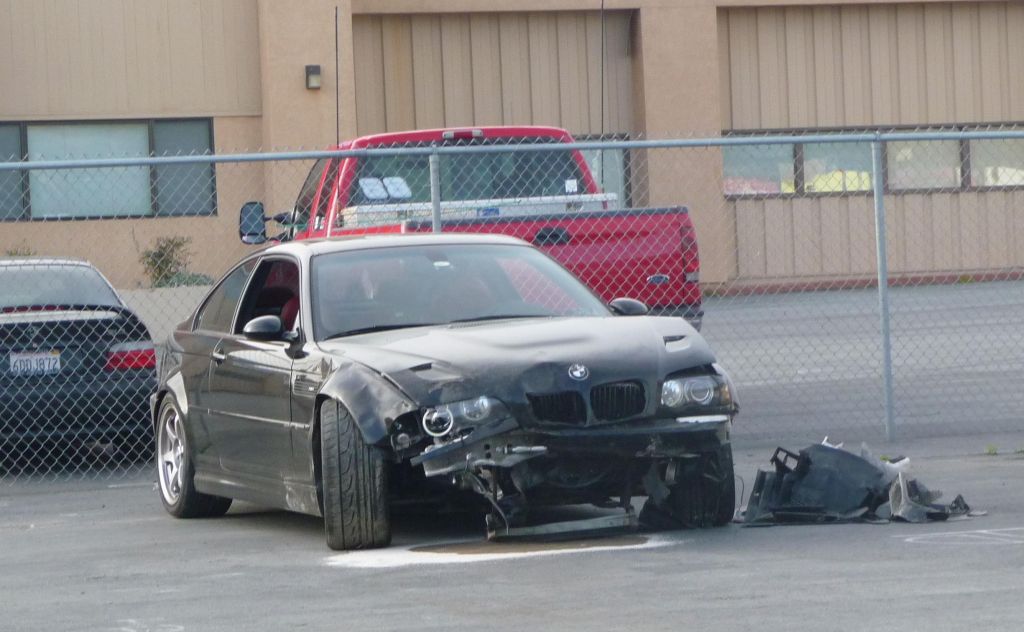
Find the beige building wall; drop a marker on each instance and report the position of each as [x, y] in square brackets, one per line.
[112, 59]
[115, 245]
[124, 60]
[689, 68]
[450, 70]
[915, 65]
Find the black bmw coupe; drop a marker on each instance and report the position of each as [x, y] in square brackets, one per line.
[331, 377]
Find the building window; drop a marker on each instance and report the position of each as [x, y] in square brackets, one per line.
[11, 193]
[997, 162]
[164, 190]
[759, 169]
[830, 168]
[923, 164]
[836, 167]
[610, 167]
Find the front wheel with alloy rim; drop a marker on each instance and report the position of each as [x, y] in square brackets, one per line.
[175, 472]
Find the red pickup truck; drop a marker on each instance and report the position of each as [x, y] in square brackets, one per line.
[549, 198]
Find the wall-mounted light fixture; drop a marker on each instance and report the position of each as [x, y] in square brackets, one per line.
[313, 78]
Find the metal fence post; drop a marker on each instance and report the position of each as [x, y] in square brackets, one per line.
[883, 286]
[435, 189]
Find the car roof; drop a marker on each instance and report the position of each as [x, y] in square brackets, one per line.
[43, 261]
[311, 247]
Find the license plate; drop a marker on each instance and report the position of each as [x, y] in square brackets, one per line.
[35, 363]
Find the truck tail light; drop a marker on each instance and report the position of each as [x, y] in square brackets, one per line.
[462, 134]
[130, 355]
[688, 244]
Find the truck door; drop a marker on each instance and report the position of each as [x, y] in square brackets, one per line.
[325, 197]
[302, 228]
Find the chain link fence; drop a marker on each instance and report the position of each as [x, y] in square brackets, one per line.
[863, 286]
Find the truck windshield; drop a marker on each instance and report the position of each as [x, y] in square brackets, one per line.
[408, 286]
[406, 179]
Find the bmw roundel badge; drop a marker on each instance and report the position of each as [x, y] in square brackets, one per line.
[579, 372]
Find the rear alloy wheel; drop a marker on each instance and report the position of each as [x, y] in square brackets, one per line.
[355, 500]
[175, 472]
[704, 494]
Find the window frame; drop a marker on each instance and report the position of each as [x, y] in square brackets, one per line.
[627, 165]
[247, 296]
[195, 329]
[963, 186]
[154, 207]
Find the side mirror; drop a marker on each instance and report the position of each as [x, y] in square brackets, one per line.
[252, 225]
[628, 307]
[264, 328]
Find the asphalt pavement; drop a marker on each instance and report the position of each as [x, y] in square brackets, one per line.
[103, 555]
[810, 364]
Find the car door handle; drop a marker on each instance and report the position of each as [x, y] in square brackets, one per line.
[218, 356]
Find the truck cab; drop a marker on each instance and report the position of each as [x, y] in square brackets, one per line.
[547, 197]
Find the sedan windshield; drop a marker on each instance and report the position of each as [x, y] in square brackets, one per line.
[47, 285]
[392, 288]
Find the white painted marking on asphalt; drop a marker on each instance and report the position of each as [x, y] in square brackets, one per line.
[128, 485]
[396, 557]
[1010, 535]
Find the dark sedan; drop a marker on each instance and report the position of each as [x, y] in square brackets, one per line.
[329, 377]
[77, 366]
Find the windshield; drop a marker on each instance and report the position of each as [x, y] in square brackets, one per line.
[406, 179]
[52, 285]
[392, 288]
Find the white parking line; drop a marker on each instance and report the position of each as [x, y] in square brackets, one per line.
[470, 552]
[1010, 535]
[128, 485]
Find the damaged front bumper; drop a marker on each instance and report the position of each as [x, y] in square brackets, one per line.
[505, 444]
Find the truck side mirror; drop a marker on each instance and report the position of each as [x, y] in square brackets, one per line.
[252, 225]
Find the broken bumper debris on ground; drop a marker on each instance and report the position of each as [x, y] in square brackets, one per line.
[827, 484]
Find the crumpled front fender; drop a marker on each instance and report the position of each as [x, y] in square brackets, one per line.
[372, 400]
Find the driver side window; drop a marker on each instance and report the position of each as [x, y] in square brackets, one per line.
[274, 291]
[215, 315]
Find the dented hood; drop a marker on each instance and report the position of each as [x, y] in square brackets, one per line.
[510, 358]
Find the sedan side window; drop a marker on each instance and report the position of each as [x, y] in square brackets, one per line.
[274, 291]
[216, 313]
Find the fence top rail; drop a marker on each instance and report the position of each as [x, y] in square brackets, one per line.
[723, 141]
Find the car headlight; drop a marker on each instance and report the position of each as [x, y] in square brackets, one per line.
[698, 391]
[441, 420]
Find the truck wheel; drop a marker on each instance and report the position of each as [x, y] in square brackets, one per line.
[355, 502]
[175, 472]
[703, 496]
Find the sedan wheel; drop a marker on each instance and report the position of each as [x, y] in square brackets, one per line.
[175, 472]
[355, 501]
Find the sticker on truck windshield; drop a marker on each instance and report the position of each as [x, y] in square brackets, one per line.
[572, 186]
[373, 189]
[397, 188]
[393, 187]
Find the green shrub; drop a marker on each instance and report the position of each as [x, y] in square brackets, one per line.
[20, 250]
[166, 263]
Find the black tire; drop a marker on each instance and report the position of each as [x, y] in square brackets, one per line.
[703, 496]
[186, 502]
[355, 484]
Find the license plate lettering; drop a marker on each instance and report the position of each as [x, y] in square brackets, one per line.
[36, 363]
